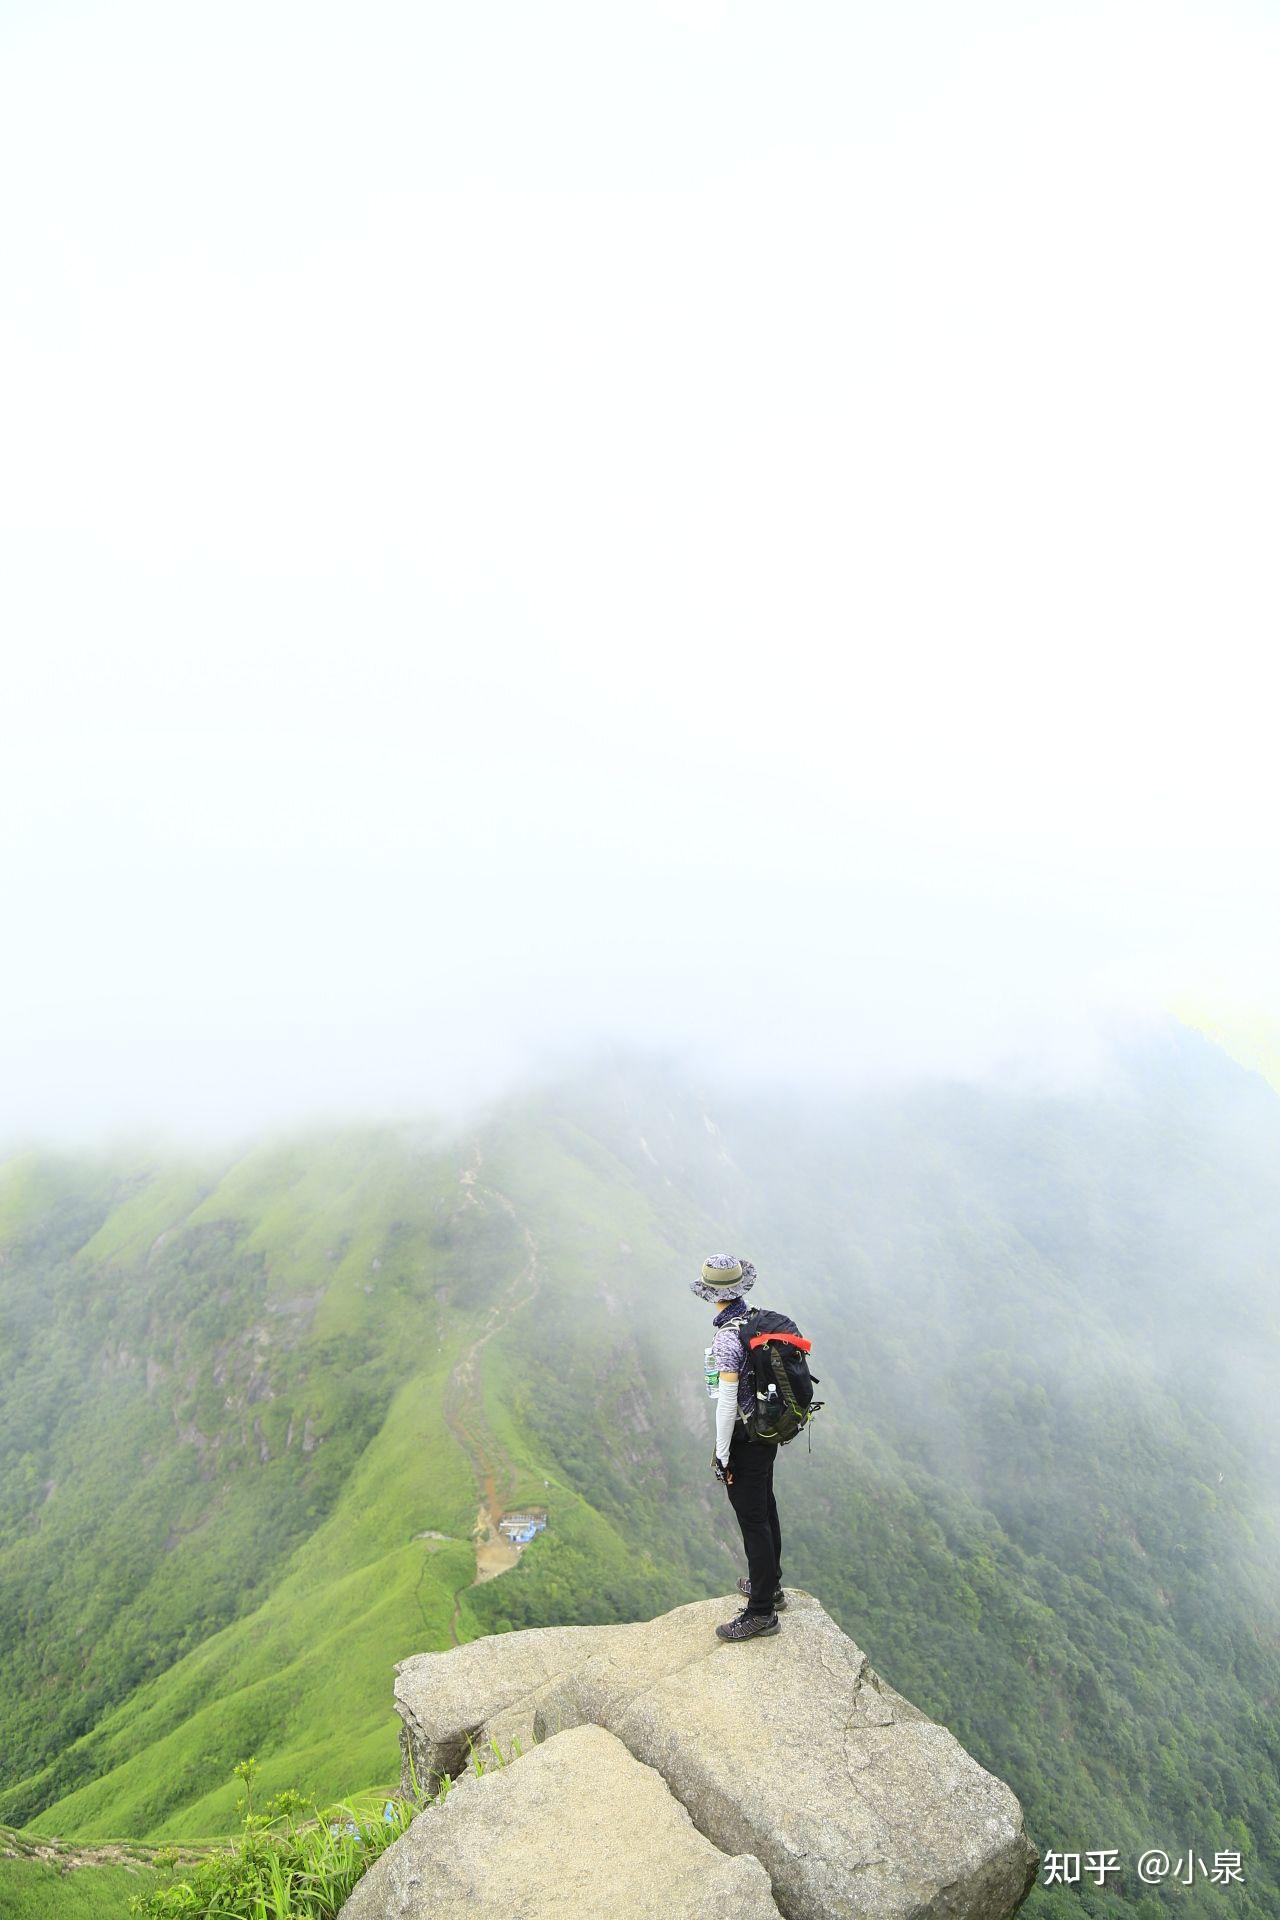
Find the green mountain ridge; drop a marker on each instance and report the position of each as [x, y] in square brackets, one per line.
[1042, 1493]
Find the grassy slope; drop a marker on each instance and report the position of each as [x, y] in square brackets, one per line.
[39, 1890]
[323, 1566]
[302, 1677]
[76, 1883]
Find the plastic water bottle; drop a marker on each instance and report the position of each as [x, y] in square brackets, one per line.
[713, 1376]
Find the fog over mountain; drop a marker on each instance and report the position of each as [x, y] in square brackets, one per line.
[633, 525]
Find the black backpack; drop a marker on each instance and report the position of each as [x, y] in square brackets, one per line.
[774, 1360]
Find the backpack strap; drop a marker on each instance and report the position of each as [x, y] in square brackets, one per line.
[740, 1327]
[743, 1320]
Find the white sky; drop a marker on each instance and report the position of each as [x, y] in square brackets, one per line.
[696, 523]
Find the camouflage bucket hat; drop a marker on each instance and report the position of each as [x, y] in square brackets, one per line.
[724, 1277]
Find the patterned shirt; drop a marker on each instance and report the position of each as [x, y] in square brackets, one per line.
[728, 1353]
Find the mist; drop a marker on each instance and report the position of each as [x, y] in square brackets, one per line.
[667, 528]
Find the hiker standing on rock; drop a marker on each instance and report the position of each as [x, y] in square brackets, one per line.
[743, 1463]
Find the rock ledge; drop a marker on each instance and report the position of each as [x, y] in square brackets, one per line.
[664, 1771]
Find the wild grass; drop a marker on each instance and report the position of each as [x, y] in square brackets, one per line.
[293, 1860]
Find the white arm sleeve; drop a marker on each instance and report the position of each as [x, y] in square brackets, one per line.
[726, 1414]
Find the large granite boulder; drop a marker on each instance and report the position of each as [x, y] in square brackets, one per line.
[577, 1826]
[792, 1748]
[789, 1749]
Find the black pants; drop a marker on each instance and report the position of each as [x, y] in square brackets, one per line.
[751, 1495]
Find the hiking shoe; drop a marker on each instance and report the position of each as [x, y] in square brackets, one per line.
[746, 1626]
[779, 1598]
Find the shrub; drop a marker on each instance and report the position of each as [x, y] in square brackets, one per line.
[280, 1867]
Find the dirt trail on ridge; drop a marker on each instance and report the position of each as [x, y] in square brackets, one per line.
[464, 1408]
[66, 1854]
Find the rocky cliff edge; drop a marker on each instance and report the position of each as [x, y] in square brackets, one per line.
[665, 1773]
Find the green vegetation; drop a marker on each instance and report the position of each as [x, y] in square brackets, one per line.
[40, 1879]
[1042, 1494]
[283, 1867]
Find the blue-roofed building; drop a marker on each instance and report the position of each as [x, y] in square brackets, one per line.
[521, 1526]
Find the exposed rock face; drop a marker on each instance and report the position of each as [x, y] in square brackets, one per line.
[575, 1827]
[487, 1690]
[787, 1751]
